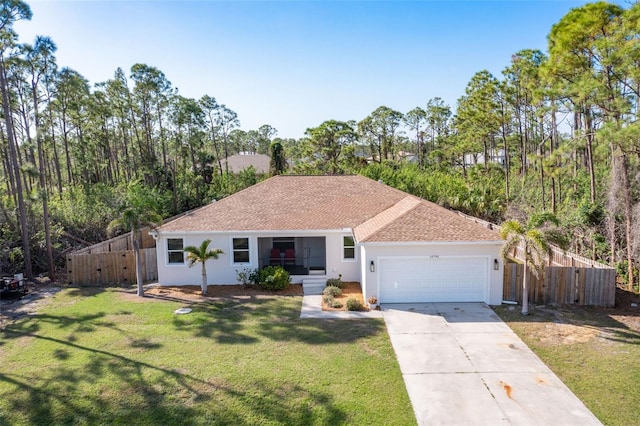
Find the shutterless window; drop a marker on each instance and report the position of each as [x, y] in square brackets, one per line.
[241, 250]
[349, 248]
[174, 250]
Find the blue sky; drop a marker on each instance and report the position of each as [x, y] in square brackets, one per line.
[295, 64]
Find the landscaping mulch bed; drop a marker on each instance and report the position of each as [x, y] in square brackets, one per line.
[193, 292]
[352, 290]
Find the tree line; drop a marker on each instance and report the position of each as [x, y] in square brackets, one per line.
[555, 132]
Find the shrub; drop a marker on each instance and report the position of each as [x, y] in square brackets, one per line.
[335, 282]
[328, 299]
[247, 276]
[336, 304]
[273, 278]
[332, 290]
[354, 305]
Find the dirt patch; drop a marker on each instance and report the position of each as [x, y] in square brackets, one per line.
[568, 333]
[570, 324]
[16, 306]
[551, 325]
[352, 290]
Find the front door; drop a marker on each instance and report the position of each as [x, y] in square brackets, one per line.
[314, 253]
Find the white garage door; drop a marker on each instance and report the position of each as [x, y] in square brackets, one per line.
[425, 279]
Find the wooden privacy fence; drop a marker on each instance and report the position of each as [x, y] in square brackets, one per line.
[562, 285]
[561, 257]
[110, 268]
[120, 243]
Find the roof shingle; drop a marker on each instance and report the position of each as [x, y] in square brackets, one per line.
[376, 212]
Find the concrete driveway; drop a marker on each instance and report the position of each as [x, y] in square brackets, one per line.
[462, 365]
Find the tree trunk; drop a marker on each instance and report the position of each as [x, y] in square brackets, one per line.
[43, 188]
[24, 229]
[8, 169]
[628, 219]
[215, 145]
[525, 285]
[65, 139]
[226, 152]
[204, 279]
[56, 159]
[544, 200]
[589, 146]
[485, 153]
[163, 143]
[138, 258]
[552, 146]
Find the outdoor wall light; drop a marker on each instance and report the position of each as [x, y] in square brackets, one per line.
[496, 265]
[372, 266]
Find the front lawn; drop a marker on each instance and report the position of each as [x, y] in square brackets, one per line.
[594, 351]
[105, 357]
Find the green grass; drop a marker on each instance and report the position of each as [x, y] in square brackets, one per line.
[593, 353]
[96, 357]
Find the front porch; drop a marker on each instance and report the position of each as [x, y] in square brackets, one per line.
[300, 256]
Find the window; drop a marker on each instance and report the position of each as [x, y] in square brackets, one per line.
[174, 250]
[348, 248]
[241, 250]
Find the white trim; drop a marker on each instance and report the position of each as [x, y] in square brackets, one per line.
[232, 251]
[431, 243]
[268, 233]
[355, 252]
[166, 254]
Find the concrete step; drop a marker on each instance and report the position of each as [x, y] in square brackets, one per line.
[312, 286]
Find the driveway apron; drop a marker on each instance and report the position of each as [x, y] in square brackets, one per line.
[462, 365]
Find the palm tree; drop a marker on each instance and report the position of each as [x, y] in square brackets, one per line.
[132, 219]
[537, 239]
[202, 254]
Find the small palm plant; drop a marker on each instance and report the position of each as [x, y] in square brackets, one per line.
[202, 254]
[537, 239]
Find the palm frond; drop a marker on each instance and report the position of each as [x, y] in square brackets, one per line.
[201, 253]
[512, 241]
[511, 227]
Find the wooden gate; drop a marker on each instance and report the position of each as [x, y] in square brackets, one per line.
[110, 268]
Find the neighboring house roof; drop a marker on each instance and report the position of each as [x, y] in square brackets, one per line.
[374, 211]
[239, 162]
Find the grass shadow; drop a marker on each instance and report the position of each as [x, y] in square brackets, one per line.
[233, 321]
[92, 370]
[166, 396]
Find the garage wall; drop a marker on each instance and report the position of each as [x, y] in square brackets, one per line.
[488, 251]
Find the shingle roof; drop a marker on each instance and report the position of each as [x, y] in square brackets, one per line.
[376, 212]
[384, 218]
[427, 221]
